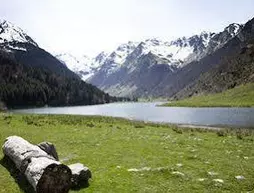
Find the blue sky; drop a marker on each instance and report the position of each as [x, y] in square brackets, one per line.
[91, 26]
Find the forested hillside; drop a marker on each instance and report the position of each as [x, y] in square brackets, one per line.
[22, 85]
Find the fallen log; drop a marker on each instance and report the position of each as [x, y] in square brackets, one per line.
[42, 171]
[80, 173]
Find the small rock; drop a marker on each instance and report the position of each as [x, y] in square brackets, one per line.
[212, 173]
[80, 175]
[201, 179]
[245, 157]
[118, 167]
[179, 165]
[239, 177]
[218, 180]
[177, 173]
[133, 170]
[139, 170]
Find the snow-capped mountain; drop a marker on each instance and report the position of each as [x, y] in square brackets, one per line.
[20, 46]
[84, 66]
[79, 65]
[12, 36]
[135, 59]
[121, 72]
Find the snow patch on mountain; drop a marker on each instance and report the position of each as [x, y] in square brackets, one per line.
[84, 66]
[10, 33]
[74, 63]
[16, 48]
[121, 53]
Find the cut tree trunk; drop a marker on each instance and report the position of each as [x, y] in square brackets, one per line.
[80, 175]
[42, 171]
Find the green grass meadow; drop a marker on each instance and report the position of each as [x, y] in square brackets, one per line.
[241, 96]
[126, 156]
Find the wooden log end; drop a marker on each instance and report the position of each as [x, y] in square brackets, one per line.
[80, 175]
[55, 179]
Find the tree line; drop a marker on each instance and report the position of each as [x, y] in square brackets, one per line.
[22, 86]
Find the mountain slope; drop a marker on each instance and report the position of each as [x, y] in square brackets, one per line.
[30, 76]
[231, 70]
[156, 68]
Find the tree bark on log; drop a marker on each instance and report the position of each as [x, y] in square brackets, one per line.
[42, 171]
[49, 148]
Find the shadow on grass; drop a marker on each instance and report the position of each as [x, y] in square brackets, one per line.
[81, 186]
[19, 178]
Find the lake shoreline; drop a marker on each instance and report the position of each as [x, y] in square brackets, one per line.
[184, 126]
[150, 112]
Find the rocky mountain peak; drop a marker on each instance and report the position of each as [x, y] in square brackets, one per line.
[101, 57]
[10, 34]
[233, 28]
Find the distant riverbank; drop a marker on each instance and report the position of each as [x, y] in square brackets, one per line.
[241, 96]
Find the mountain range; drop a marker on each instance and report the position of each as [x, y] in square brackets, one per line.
[204, 63]
[156, 68]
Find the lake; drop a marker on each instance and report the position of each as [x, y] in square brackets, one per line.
[150, 112]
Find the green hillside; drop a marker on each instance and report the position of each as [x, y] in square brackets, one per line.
[241, 96]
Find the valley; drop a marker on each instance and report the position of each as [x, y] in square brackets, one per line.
[151, 96]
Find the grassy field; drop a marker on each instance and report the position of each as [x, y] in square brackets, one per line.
[127, 156]
[242, 96]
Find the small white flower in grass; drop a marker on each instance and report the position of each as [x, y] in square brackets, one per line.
[228, 152]
[212, 173]
[197, 139]
[201, 179]
[161, 169]
[177, 173]
[133, 170]
[179, 165]
[139, 170]
[145, 169]
[245, 157]
[239, 177]
[118, 167]
[218, 180]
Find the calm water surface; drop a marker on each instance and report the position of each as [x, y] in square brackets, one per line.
[235, 117]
